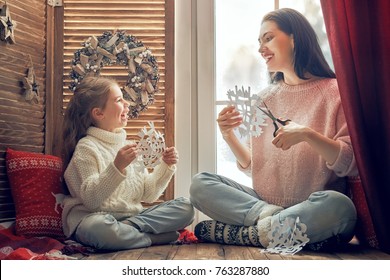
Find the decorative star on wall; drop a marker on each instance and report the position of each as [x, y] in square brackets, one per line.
[31, 86]
[7, 25]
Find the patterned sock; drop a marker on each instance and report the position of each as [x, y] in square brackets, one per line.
[218, 232]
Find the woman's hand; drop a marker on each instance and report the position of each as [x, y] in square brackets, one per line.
[228, 119]
[170, 156]
[290, 135]
[125, 156]
[293, 133]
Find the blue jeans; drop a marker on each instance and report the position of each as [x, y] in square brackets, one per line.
[103, 231]
[325, 213]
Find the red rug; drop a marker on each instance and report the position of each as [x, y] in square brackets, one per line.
[15, 247]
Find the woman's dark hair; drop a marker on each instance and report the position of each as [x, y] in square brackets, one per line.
[92, 92]
[308, 56]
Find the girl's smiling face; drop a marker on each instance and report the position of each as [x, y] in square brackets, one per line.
[276, 47]
[115, 112]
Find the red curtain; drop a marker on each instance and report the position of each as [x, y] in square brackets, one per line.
[359, 37]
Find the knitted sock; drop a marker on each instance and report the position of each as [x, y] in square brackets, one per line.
[263, 228]
[218, 232]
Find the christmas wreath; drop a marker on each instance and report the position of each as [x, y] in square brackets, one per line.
[120, 49]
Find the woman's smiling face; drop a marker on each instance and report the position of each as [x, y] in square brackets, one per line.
[276, 47]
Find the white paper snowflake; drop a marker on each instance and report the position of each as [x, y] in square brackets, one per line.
[150, 146]
[253, 118]
[287, 238]
[257, 121]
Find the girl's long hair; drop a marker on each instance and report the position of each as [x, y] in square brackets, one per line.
[92, 92]
[308, 56]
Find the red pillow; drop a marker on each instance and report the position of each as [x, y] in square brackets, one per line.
[36, 187]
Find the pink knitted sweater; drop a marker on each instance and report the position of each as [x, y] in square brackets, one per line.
[288, 177]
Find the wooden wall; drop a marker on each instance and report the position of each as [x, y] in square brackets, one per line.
[21, 123]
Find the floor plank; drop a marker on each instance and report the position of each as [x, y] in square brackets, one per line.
[212, 251]
[209, 251]
[185, 252]
[129, 254]
[102, 256]
[256, 254]
[311, 255]
[237, 253]
[363, 254]
[173, 252]
[156, 252]
[273, 256]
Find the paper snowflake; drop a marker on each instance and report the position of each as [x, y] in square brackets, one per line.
[253, 118]
[150, 146]
[257, 121]
[287, 238]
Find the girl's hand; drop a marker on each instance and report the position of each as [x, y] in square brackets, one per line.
[290, 135]
[170, 156]
[228, 119]
[125, 156]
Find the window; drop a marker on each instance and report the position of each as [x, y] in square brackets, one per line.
[238, 63]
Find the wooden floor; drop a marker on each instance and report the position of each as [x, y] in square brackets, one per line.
[203, 251]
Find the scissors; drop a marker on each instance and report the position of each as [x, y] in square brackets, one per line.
[272, 117]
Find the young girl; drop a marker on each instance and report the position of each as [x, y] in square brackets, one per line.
[298, 170]
[104, 208]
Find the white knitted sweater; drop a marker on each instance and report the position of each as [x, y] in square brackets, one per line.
[96, 185]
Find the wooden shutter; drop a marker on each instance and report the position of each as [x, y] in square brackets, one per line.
[143, 19]
[21, 122]
[151, 21]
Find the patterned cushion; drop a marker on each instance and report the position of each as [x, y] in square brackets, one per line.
[36, 187]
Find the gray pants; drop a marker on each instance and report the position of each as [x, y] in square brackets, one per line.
[325, 213]
[103, 231]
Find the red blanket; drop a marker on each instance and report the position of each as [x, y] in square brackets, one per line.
[14, 247]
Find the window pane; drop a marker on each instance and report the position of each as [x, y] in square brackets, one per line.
[237, 63]
[226, 161]
[311, 9]
[237, 59]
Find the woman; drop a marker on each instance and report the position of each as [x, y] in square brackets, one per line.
[104, 208]
[298, 169]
